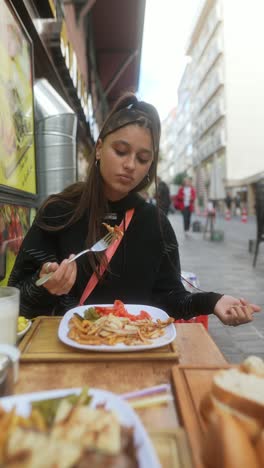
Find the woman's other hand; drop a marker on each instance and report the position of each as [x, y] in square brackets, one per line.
[63, 278]
[232, 311]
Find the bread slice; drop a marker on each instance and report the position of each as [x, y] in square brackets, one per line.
[240, 391]
[253, 365]
[260, 448]
[234, 414]
[210, 407]
[226, 445]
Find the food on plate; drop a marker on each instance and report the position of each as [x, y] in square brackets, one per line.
[118, 309]
[77, 436]
[227, 445]
[115, 230]
[22, 323]
[260, 447]
[253, 365]
[48, 408]
[104, 327]
[234, 415]
[238, 394]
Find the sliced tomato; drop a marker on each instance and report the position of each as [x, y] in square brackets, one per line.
[144, 315]
[119, 310]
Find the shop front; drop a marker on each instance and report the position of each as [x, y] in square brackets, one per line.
[38, 127]
[60, 63]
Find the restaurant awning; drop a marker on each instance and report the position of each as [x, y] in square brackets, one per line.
[118, 31]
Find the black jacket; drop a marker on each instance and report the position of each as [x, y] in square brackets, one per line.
[145, 269]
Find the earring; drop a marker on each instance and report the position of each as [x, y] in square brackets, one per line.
[97, 162]
[148, 178]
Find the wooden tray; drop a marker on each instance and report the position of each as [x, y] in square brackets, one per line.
[190, 384]
[172, 448]
[42, 344]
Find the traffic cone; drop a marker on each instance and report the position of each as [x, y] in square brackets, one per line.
[244, 215]
[228, 215]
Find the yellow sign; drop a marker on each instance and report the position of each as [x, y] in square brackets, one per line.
[17, 147]
[52, 7]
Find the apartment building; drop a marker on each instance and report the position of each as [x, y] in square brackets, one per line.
[176, 141]
[226, 99]
[167, 169]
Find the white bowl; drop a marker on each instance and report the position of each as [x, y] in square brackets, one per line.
[23, 332]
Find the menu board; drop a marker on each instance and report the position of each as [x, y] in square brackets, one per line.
[17, 146]
[15, 221]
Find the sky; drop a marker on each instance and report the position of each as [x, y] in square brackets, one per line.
[166, 31]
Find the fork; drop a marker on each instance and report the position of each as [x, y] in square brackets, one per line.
[99, 246]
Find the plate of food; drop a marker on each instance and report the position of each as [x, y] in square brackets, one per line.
[74, 428]
[116, 327]
[23, 325]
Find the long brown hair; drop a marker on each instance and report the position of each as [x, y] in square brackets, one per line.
[88, 197]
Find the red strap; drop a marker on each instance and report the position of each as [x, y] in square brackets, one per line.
[109, 254]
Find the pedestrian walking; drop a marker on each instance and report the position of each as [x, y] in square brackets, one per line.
[184, 201]
[163, 196]
[228, 201]
[144, 268]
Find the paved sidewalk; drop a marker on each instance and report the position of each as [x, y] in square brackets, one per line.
[226, 267]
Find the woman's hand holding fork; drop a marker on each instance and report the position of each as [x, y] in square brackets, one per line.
[63, 278]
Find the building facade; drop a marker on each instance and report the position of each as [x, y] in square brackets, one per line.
[176, 140]
[167, 168]
[226, 101]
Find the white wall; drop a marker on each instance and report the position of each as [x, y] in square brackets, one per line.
[244, 86]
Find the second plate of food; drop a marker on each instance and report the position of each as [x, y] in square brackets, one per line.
[114, 436]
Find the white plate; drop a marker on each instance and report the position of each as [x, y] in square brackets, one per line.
[145, 451]
[23, 332]
[168, 337]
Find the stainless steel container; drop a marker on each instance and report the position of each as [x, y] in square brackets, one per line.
[56, 130]
[6, 375]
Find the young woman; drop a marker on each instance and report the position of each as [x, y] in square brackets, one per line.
[145, 269]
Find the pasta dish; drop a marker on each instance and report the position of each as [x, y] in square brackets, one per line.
[110, 326]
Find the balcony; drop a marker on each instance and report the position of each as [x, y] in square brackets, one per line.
[212, 144]
[215, 80]
[213, 19]
[216, 48]
[213, 113]
[219, 140]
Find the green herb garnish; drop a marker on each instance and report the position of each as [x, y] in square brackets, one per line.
[91, 314]
[49, 408]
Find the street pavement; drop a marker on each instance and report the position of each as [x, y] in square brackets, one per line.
[226, 267]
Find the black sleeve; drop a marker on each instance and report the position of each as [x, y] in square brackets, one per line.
[169, 292]
[38, 247]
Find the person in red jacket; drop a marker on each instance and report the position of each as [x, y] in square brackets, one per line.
[184, 201]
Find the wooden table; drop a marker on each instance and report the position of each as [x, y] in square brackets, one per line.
[195, 346]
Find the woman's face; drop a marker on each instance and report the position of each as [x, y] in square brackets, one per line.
[125, 159]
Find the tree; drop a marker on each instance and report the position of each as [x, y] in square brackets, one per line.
[178, 179]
